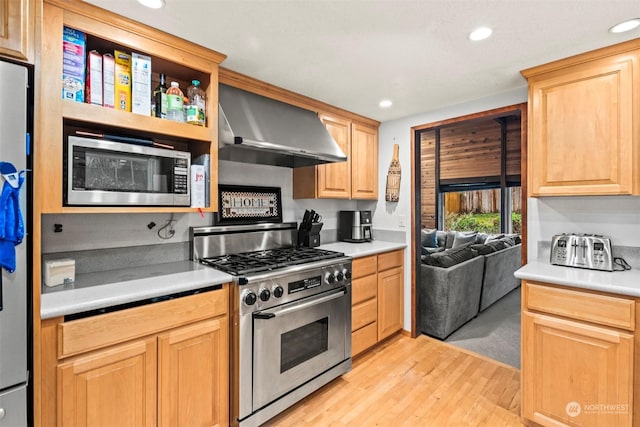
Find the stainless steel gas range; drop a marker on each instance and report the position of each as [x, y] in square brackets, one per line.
[291, 309]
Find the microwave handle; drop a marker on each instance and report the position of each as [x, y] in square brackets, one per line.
[265, 314]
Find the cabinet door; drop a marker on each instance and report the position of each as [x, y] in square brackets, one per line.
[333, 178]
[390, 301]
[575, 374]
[581, 128]
[15, 28]
[111, 387]
[193, 375]
[364, 162]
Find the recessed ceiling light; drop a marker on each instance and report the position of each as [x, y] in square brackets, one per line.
[385, 103]
[625, 26]
[480, 33]
[153, 4]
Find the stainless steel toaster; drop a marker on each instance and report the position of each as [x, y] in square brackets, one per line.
[591, 251]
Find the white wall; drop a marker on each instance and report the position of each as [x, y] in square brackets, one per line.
[389, 215]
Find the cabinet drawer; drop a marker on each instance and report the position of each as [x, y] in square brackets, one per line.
[364, 314]
[364, 338]
[94, 332]
[390, 259]
[363, 289]
[364, 266]
[601, 309]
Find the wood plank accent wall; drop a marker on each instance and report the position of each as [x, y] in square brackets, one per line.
[469, 149]
[428, 211]
[513, 145]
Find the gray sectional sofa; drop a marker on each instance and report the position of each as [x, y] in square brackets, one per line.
[461, 277]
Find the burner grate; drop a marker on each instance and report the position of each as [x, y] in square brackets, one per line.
[271, 259]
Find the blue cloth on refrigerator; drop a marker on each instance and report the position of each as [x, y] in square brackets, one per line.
[11, 224]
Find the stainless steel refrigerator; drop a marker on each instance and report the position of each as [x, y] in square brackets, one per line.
[14, 303]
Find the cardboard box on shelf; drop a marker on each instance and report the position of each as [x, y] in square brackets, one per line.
[123, 81]
[94, 78]
[141, 84]
[74, 46]
[108, 76]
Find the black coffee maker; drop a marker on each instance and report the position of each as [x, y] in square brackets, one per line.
[355, 226]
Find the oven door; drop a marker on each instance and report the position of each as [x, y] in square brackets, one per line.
[295, 342]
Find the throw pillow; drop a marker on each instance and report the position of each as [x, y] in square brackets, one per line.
[497, 245]
[493, 237]
[429, 238]
[462, 239]
[480, 238]
[483, 249]
[451, 257]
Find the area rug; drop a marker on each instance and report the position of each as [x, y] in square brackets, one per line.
[495, 332]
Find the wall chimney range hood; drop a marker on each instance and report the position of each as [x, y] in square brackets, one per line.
[256, 129]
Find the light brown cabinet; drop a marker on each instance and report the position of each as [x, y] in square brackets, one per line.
[577, 357]
[163, 364]
[584, 123]
[180, 60]
[377, 299]
[17, 24]
[357, 178]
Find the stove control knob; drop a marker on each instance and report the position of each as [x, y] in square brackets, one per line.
[340, 276]
[250, 298]
[347, 274]
[330, 277]
[265, 294]
[278, 291]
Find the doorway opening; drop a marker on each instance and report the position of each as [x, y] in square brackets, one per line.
[469, 178]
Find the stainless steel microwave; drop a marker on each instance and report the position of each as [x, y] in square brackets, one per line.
[109, 173]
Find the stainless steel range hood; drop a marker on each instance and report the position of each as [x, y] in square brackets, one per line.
[255, 129]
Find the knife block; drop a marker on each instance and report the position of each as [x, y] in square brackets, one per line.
[311, 237]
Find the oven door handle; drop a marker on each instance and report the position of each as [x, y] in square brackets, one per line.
[279, 312]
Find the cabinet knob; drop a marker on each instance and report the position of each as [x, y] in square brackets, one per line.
[2, 413]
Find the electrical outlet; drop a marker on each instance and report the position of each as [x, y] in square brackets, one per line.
[401, 221]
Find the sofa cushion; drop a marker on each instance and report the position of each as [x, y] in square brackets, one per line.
[493, 237]
[429, 238]
[462, 239]
[450, 257]
[429, 251]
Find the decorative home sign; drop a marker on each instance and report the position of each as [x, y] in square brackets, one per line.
[241, 204]
[393, 178]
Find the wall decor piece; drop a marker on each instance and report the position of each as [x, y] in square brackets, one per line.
[393, 177]
[241, 204]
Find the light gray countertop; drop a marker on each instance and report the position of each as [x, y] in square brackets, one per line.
[93, 291]
[357, 250]
[617, 282]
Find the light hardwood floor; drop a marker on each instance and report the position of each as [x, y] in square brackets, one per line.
[414, 382]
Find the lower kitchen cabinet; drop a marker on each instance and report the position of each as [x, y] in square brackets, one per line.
[377, 299]
[577, 357]
[162, 364]
[111, 387]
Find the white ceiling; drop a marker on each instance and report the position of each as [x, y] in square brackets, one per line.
[353, 53]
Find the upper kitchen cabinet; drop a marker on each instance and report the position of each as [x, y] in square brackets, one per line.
[584, 123]
[106, 32]
[357, 178]
[17, 25]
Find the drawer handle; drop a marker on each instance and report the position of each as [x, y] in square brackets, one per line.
[2, 413]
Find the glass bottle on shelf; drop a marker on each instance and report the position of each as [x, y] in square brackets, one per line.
[160, 97]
